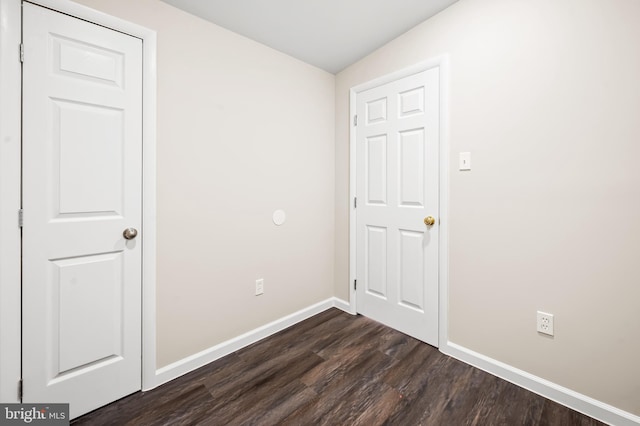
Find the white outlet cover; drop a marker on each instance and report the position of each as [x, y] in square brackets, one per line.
[544, 323]
[279, 217]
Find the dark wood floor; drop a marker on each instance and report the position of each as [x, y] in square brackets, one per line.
[336, 369]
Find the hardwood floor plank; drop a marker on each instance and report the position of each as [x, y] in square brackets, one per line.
[465, 395]
[357, 332]
[379, 410]
[506, 403]
[407, 375]
[257, 406]
[249, 388]
[288, 404]
[336, 369]
[357, 402]
[396, 344]
[363, 365]
[344, 360]
[428, 396]
[558, 415]
[337, 390]
[190, 407]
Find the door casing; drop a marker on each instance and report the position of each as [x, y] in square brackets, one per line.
[10, 186]
[440, 62]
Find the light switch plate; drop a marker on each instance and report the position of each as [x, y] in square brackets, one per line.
[465, 161]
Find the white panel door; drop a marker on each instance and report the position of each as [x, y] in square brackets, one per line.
[397, 140]
[82, 187]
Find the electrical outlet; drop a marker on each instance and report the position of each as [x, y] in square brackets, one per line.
[259, 286]
[545, 323]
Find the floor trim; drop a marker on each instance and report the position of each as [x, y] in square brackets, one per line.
[343, 306]
[567, 397]
[200, 359]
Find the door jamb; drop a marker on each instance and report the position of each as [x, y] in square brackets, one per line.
[10, 147]
[10, 186]
[441, 62]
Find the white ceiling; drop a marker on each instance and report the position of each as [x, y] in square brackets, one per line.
[330, 34]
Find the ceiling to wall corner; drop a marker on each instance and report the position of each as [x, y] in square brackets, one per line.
[330, 34]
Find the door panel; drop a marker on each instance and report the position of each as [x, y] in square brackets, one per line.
[411, 280]
[82, 186]
[377, 170]
[88, 288]
[411, 175]
[80, 60]
[89, 144]
[376, 261]
[397, 178]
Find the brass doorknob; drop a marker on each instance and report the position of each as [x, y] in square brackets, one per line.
[429, 220]
[130, 233]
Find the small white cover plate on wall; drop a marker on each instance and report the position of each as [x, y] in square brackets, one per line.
[465, 161]
[279, 216]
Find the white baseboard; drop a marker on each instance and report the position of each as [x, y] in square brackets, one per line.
[200, 359]
[574, 400]
[343, 306]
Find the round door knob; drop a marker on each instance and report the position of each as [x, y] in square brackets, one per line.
[130, 233]
[429, 220]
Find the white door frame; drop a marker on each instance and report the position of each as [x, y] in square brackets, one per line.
[442, 63]
[10, 186]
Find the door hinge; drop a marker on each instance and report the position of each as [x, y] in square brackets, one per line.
[355, 284]
[20, 218]
[355, 120]
[20, 390]
[355, 202]
[21, 52]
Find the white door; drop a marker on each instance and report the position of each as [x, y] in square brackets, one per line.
[82, 187]
[397, 140]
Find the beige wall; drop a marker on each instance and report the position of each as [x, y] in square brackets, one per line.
[546, 96]
[243, 130]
